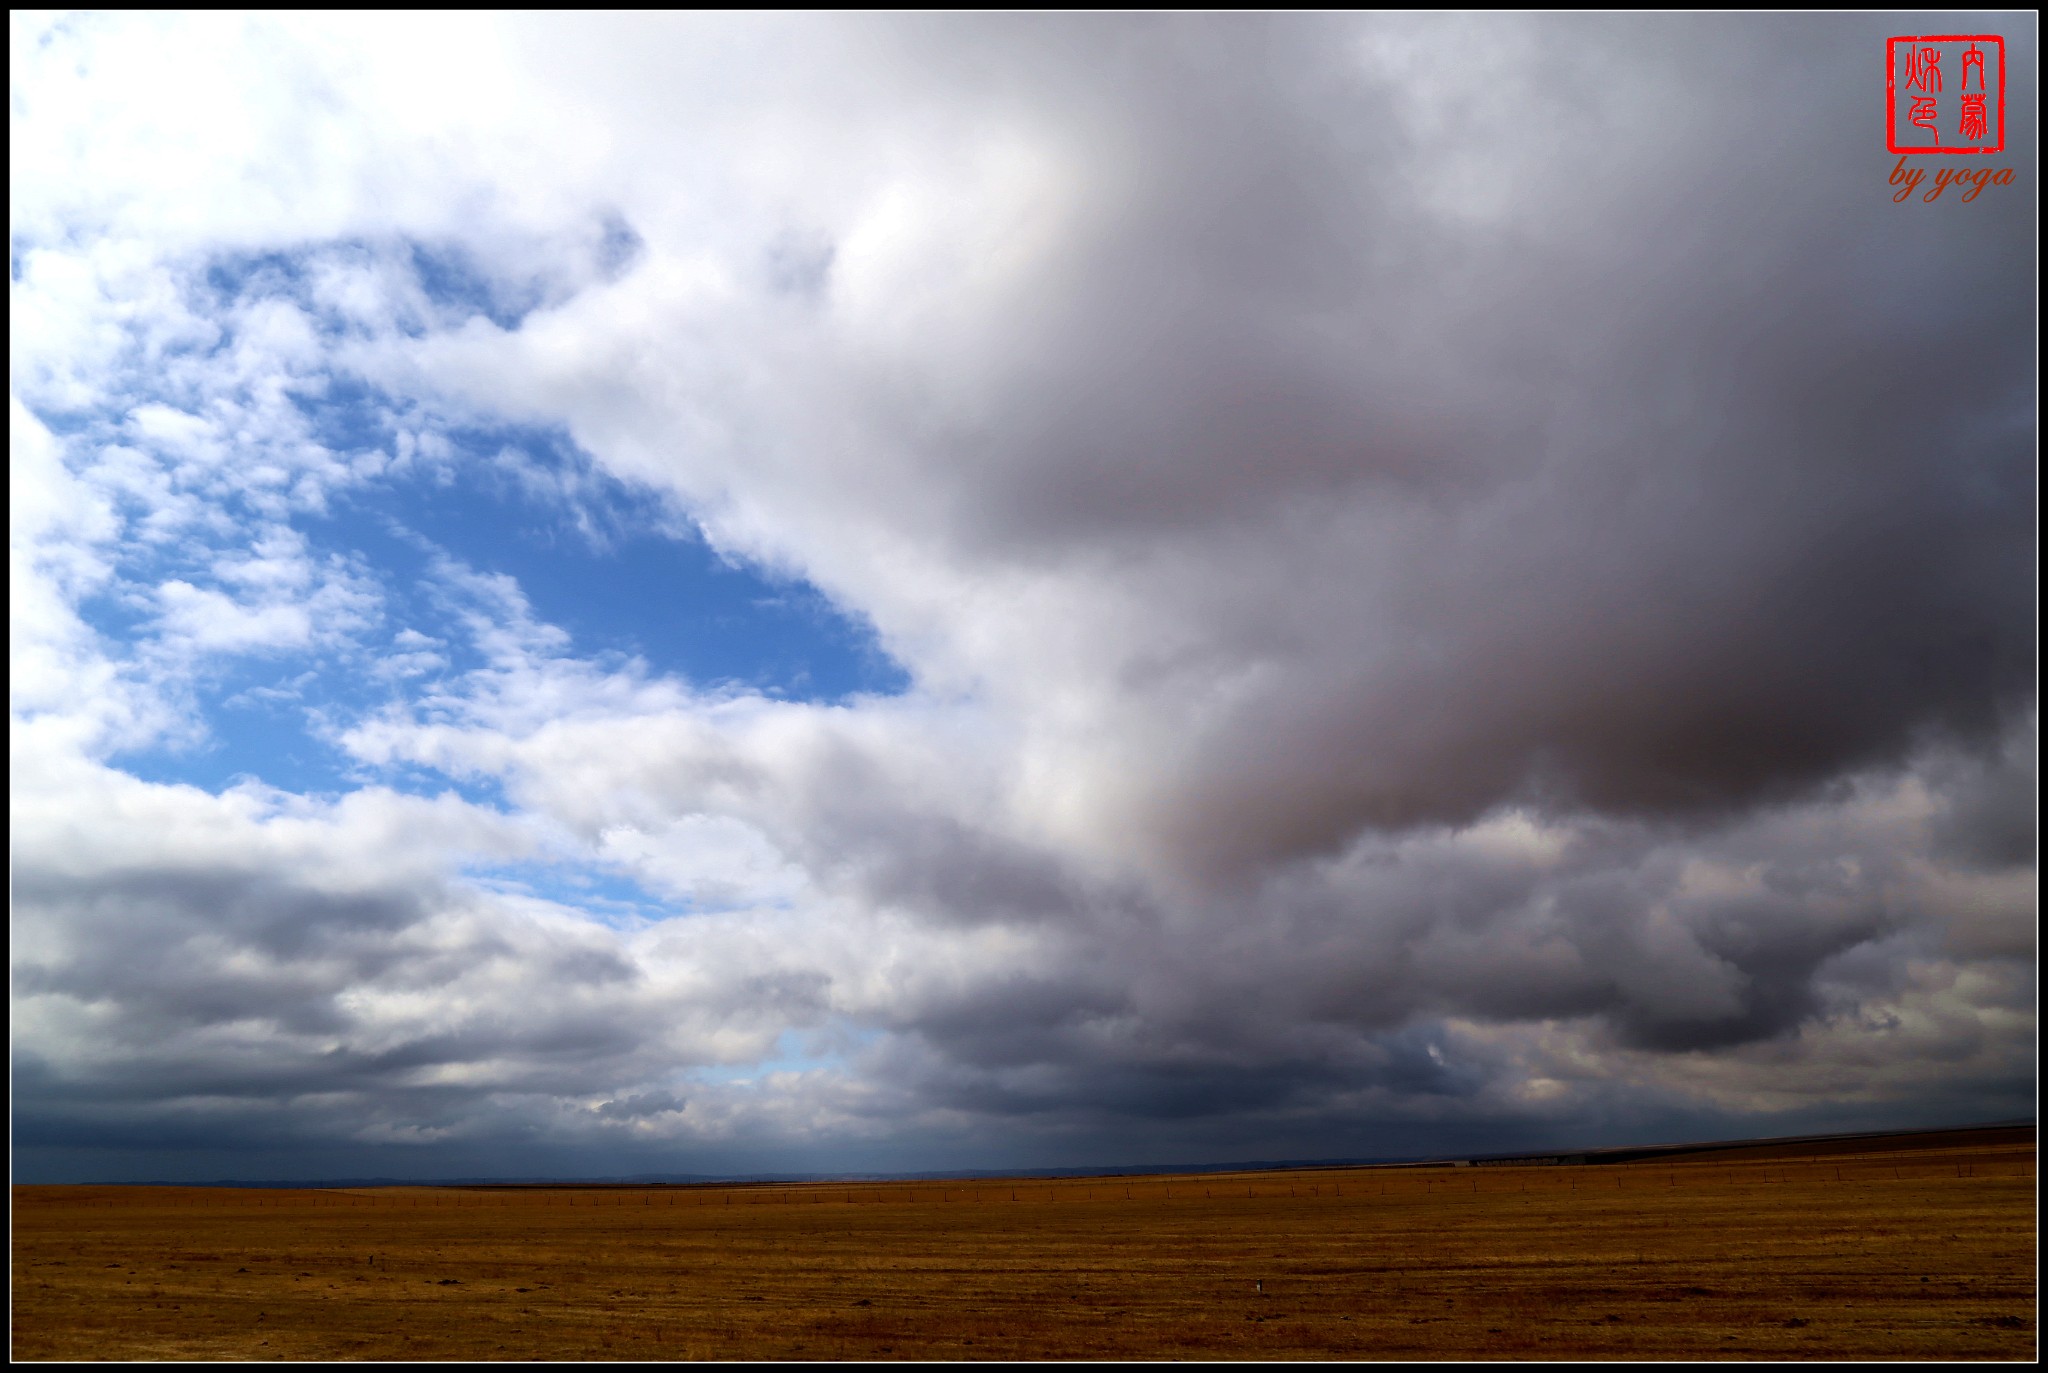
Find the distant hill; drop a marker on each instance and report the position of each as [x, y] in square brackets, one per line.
[1784, 1146]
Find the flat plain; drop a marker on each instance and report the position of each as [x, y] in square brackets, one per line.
[1888, 1249]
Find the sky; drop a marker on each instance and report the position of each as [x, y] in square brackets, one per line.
[602, 595]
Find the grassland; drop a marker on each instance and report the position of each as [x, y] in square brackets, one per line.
[1917, 1252]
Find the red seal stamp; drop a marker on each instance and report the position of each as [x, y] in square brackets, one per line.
[1945, 93]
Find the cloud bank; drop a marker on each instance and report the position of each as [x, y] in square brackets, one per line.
[1455, 583]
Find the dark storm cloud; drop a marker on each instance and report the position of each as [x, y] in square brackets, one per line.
[223, 989]
[1108, 1089]
[1991, 812]
[1318, 986]
[1373, 422]
[1703, 471]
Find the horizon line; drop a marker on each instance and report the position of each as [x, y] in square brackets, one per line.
[1601, 1154]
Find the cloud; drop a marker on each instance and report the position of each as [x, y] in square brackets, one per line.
[1612, 519]
[1454, 574]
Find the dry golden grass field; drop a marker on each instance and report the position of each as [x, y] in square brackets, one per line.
[1901, 1252]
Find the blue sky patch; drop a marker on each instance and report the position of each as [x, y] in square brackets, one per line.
[828, 1048]
[620, 572]
[606, 564]
[599, 891]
